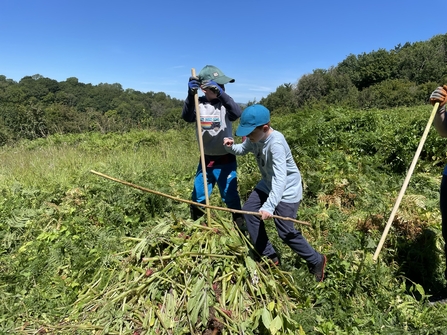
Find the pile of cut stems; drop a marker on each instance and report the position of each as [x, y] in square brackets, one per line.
[185, 277]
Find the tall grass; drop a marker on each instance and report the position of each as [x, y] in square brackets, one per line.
[62, 228]
[54, 212]
[62, 159]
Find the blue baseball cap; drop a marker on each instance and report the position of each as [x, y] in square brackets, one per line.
[253, 116]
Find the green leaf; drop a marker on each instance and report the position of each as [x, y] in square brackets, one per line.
[195, 302]
[420, 289]
[266, 318]
[276, 325]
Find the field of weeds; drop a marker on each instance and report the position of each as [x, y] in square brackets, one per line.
[81, 254]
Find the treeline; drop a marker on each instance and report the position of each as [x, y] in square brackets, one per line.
[37, 106]
[403, 76]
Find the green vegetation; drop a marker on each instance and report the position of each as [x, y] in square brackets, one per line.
[37, 107]
[82, 254]
[404, 76]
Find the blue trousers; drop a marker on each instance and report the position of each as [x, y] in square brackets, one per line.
[286, 229]
[226, 178]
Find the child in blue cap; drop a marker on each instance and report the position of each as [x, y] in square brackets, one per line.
[279, 192]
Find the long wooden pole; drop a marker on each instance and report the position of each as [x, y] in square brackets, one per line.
[202, 154]
[407, 180]
[192, 202]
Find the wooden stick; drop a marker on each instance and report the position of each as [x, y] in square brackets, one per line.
[192, 202]
[202, 154]
[407, 180]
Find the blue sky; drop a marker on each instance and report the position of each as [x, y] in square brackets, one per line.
[152, 45]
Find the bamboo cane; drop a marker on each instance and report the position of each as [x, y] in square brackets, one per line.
[192, 202]
[202, 154]
[407, 180]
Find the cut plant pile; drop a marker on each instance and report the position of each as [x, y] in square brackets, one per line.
[187, 278]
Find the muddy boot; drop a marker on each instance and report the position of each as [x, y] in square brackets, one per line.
[196, 212]
[274, 260]
[240, 221]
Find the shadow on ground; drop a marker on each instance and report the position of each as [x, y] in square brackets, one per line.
[420, 260]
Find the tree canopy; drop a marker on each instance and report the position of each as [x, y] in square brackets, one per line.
[403, 76]
[37, 106]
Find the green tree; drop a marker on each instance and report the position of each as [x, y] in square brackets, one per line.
[329, 86]
[37, 86]
[311, 87]
[375, 67]
[390, 93]
[422, 62]
[24, 122]
[281, 98]
[61, 118]
[14, 94]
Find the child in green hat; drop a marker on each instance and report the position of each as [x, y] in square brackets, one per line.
[217, 112]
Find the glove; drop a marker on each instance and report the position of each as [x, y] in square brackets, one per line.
[193, 85]
[439, 95]
[212, 86]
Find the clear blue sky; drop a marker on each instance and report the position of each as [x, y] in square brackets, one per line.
[151, 45]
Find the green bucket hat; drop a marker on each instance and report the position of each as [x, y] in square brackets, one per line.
[211, 72]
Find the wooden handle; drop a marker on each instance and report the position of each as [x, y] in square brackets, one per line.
[192, 202]
[202, 154]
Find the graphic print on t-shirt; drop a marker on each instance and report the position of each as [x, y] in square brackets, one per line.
[210, 122]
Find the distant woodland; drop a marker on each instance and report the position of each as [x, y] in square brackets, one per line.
[37, 106]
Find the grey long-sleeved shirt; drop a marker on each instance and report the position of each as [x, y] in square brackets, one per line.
[216, 119]
[281, 178]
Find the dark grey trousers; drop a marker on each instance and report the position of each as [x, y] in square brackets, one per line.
[443, 208]
[285, 228]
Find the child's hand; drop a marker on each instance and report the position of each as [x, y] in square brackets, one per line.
[439, 95]
[193, 85]
[228, 141]
[212, 86]
[265, 215]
